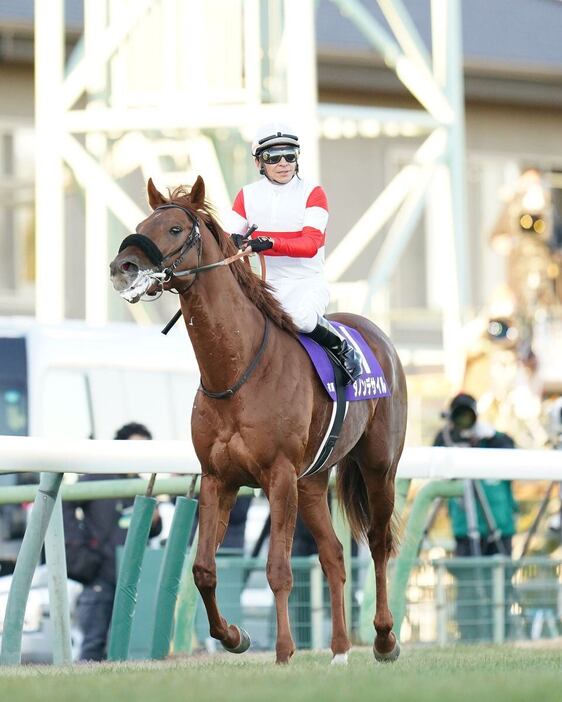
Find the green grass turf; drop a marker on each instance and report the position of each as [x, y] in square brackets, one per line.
[478, 674]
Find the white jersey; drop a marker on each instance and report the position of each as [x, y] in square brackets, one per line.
[294, 215]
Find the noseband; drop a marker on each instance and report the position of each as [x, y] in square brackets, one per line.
[153, 253]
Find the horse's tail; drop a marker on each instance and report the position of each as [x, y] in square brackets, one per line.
[354, 500]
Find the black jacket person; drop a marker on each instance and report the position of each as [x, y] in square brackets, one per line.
[93, 531]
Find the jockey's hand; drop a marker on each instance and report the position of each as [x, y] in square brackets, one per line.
[261, 243]
[238, 240]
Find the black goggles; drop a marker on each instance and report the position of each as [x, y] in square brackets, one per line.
[270, 156]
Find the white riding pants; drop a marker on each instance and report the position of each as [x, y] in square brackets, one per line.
[305, 299]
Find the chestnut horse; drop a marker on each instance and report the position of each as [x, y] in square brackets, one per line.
[261, 413]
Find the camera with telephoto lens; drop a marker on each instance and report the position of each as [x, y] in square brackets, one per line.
[462, 416]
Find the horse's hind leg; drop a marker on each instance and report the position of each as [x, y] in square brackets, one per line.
[379, 483]
[313, 508]
[215, 503]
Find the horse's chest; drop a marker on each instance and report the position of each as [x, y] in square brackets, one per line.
[235, 460]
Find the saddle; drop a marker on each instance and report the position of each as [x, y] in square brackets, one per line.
[370, 385]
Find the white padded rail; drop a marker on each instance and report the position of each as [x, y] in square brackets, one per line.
[18, 454]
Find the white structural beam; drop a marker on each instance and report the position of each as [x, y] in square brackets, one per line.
[405, 32]
[49, 184]
[186, 115]
[22, 454]
[370, 224]
[414, 74]
[103, 97]
[90, 174]
[252, 54]
[439, 88]
[448, 68]
[386, 204]
[399, 233]
[96, 283]
[183, 114]
[302, 84]
[108, 42]
[380, 115]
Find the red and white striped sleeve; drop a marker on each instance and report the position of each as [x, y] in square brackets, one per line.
[304, 244]
[235, 220]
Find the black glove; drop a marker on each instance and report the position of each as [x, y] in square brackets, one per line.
[262, 243]
[238, 240]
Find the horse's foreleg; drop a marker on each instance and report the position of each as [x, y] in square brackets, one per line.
[282, 495]
[315, 513]
[214, 500]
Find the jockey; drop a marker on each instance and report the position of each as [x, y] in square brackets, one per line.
[291, 214]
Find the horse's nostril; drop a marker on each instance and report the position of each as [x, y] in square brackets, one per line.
[129, 267]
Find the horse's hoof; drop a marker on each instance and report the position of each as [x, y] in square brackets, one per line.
[339, 659]
[389, 657]
[244, 644]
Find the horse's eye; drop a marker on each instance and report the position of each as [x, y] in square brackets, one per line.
[176, 230]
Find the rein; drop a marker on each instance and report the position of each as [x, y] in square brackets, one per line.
[199, 269]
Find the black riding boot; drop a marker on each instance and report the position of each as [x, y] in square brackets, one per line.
[343, 352]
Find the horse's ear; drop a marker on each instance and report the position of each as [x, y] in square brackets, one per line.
[155, 198]
[197, 194]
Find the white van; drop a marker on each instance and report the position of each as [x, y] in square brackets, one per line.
[74, 380]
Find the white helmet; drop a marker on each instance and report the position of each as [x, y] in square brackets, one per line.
[274, 134]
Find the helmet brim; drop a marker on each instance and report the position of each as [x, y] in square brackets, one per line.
[273, 140]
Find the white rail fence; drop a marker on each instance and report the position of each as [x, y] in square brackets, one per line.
[52, 457]
[22, 454]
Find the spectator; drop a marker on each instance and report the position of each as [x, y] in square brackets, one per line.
[474, 607]
[93, 531]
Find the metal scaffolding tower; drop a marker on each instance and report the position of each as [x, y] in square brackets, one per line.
[147, 85]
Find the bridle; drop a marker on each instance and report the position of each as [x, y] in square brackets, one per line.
[164, 275]
[155, 256]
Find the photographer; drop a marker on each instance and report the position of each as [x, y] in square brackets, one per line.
[464, 429]
[482, 521]
[93, 531]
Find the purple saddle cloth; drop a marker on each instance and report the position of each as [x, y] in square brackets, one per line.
[369, 386]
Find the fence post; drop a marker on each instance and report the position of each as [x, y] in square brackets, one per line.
[316, 605]
[27, 561]
[498, 599]
[170, 575]
[187, 603]
[59, 610]
[127, 582]
[441, 605]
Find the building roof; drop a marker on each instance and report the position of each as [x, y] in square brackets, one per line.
[20, 13]
[515, 35]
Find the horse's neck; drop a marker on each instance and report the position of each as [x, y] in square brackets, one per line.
[224, 327]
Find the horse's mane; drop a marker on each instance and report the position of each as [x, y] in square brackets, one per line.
[255, 289]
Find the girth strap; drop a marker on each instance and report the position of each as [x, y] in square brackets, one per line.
[336, 423]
